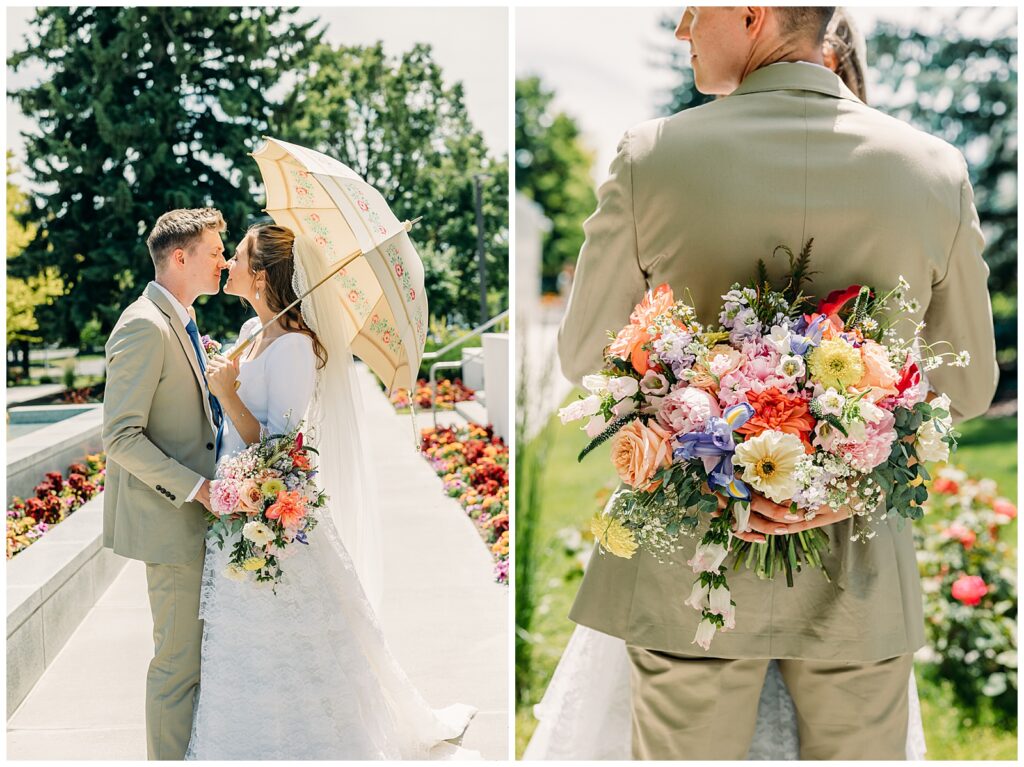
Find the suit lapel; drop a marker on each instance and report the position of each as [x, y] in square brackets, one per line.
[157, 297]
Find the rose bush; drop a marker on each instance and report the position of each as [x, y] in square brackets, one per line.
[969, 579]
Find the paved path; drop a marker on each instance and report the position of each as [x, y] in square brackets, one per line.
[446, 622]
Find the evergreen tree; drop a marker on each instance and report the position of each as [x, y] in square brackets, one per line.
[143, 109]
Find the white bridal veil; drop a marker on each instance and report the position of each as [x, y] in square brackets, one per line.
[334, 420]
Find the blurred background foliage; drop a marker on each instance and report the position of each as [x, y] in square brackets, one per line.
[146, 109]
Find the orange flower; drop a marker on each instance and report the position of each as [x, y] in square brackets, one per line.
[289, 508]
[300, 459]
[776, 411]
[628, 344]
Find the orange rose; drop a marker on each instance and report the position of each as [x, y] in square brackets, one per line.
[250, 497]
[638, 451]
[289, 508]
[880, 377]
[776, 411]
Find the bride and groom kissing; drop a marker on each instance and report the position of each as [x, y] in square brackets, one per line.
[239, 671]
[787, 151]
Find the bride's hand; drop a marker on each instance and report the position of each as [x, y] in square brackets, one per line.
[769, 518]
[221, 374]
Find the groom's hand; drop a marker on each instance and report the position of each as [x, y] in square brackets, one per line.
[203, 495]
[770, 518]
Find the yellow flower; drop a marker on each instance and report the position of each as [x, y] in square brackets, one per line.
[769, 461]
[836, 363]
[272, 487]
[253, 563]
[613, 536]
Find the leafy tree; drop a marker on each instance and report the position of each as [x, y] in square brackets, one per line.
[394, 121]
[24, 295]
[553, 169]
[964, 90]
[144, 109]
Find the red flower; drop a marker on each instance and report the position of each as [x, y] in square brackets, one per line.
[837, 299]
[298, 440]
[945, 485]
[362, 205]
[314, 216]
[1004, 508]
[299, 459]
[399, 270]
[353, 296]
[412, 294]
[387, 337]
[969, 589]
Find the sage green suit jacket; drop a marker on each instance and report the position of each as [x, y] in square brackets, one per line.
[693, 200]
[158, 433]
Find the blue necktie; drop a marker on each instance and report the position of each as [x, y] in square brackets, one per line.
[218, 414]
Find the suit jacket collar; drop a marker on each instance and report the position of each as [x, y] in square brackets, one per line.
[792, 76]
[158, 297]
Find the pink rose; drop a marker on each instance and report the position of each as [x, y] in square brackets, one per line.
[638, 451]
[880, 377]
[223, 496]
[687, 409]
[250, 497]
[959, 532]
[1004, 508]
[969, 589]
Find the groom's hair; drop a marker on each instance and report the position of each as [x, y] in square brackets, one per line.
[804, 20]
[181, 228]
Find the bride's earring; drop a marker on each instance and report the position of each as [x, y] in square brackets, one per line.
[257, 294]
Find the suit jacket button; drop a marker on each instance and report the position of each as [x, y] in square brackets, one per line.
[209, 446]
[159, 488]
[172, 497]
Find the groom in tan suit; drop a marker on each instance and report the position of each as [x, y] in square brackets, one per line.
[160, 429]
[694, 200]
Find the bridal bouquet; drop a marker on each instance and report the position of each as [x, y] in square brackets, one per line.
[814, 405]
[268, 494]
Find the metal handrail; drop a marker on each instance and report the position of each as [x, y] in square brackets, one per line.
[471, 334]
[432, 380]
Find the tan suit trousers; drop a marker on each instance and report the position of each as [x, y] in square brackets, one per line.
[693, 708]
[173, 679]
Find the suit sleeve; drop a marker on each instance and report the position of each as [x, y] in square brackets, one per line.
[133, 373]
[609, 280]
[960, 312]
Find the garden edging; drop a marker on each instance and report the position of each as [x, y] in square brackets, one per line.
[51, 586]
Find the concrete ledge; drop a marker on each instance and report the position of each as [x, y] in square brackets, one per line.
[51, 448]
[51, 586]
[473, 367]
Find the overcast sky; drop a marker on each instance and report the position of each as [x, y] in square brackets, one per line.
[470, 44]
[599, 61]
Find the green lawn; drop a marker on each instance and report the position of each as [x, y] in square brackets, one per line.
[571, 492]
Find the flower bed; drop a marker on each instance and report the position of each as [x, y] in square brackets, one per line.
[448, 393]
[55, 499]
[969, 578]
[473, 463]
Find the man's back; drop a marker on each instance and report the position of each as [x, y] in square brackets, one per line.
[793, 154]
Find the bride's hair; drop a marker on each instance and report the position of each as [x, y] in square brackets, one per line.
[848, 46]
[271, 249]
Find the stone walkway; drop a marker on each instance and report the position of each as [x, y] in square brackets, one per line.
[445, 619]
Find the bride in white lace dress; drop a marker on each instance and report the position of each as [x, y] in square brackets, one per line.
[303, 673]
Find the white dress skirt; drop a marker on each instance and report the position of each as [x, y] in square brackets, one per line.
[304, 673]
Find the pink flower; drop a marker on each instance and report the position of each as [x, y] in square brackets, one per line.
[876, 446]
[959, 532]
[223, 496]
[969, 589]
[1004, 508]
[687, 409]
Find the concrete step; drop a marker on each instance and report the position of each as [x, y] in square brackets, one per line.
[472, 410]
